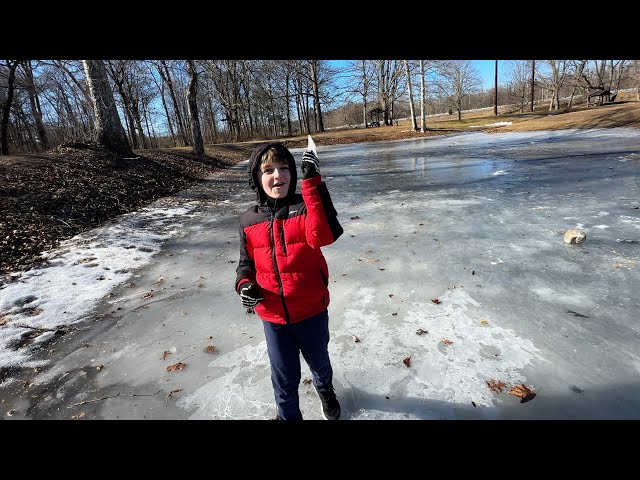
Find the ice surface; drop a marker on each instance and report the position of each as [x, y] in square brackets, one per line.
[474, 220]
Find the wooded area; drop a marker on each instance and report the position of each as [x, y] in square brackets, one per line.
[134, 104]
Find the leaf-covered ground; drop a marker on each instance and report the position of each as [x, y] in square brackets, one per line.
[49, 197]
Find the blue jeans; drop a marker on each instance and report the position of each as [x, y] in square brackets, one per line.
[284, 344]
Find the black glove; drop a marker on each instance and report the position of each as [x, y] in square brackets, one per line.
[310, 165]
[250, 295]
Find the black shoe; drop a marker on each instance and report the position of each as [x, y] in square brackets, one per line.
[330, 405]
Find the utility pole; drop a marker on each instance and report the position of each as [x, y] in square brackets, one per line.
[533, 74]
[495, 92]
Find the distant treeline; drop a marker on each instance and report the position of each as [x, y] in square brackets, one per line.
[161, 103]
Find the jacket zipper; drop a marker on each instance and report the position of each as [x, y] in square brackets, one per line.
[275, 267]
[284, 245]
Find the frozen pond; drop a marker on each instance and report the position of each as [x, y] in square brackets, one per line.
[474, 221]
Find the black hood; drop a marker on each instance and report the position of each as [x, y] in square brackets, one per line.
[253, 170]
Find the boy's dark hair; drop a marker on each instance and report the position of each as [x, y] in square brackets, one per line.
[271, 156]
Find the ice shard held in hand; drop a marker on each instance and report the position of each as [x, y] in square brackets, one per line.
[311, 146]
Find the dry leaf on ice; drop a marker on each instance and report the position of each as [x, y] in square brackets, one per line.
[407, 362]
[177, 390]
[525, 393]
[176, 366]
[496, 385]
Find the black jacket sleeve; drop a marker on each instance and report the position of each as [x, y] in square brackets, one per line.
[246, 269]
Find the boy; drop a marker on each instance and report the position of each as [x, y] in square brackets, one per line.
[283, 274]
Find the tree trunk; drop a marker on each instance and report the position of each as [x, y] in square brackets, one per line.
[213, 122]
[287, 94]
[533, 76]
[108, 126]
[128, 130]
[34, 102]
[23, 126]
[365, 92]
[81, 88]
[192, 93]
[249, 112]
[552, 103]
[6, 110]
[414, 125]
[166, 76]
[118, 75]
[151, 134]
[298, 113]
[495, 92]
[138, 119]
[423, 113]
[166, 112]
[316, 95]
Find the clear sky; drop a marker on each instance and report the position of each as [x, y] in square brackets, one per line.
[487, 71]
[485, 67]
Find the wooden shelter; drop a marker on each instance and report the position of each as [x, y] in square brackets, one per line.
[376, 112]
[598, 96]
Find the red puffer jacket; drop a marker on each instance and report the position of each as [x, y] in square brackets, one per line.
[280, 248]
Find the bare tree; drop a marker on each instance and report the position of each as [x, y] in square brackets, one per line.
[66, 94]
[554, 80]
[313, 67]
[11, 66]
[636, 70]
[34, 102]
[225, 75]
[533, 83]
[599, 75]
[423, 117]
[245, 77]
[108, 126]
[495, 92]
[192, 92]
[388, 73]
[518, 72]
[118, 70]
[265, 89]
[414, 125]
[574, 78]
[302, 91]
[160, 86]
[617, 70]
[71, 68]
[357, 85]
[459, 79]
[167, 78]
[287, 89]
